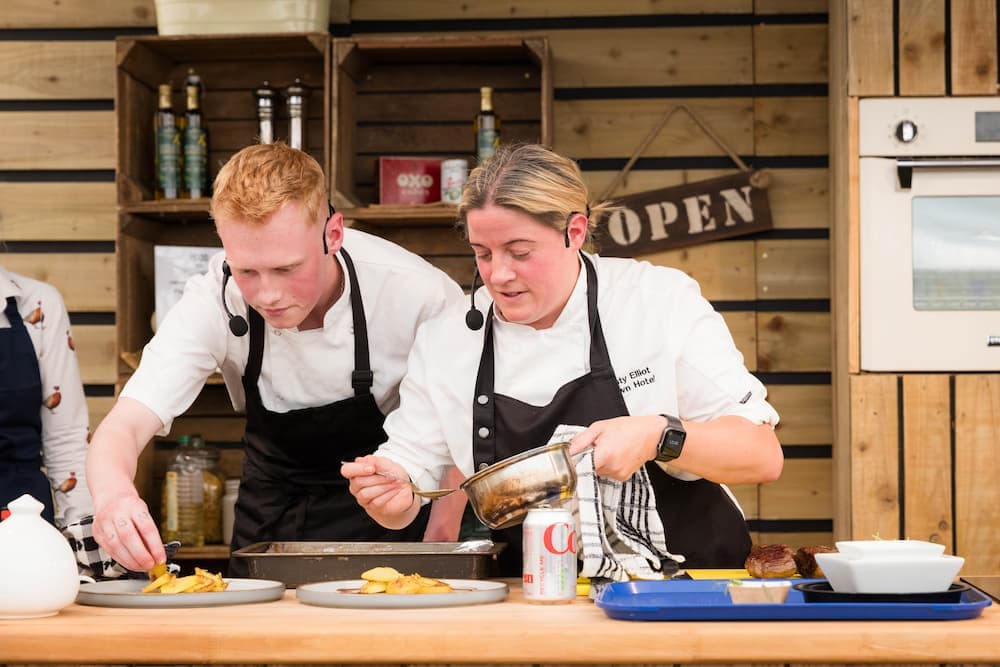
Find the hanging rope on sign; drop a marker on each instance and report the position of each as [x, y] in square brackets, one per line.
[759, 179]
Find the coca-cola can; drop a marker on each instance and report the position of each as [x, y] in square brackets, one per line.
[453, 175]
[549, 543]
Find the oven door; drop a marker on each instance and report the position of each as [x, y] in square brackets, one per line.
[930, 266]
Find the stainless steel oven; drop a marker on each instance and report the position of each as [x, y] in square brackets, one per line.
[930, 233]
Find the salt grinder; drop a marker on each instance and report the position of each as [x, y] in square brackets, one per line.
[265, 112]
[296, 94]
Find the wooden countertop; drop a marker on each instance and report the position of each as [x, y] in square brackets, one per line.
[513, 631]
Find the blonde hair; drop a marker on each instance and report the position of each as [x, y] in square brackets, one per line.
[534, 180]
[260, 179]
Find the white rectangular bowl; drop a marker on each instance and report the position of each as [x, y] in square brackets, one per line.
[904, 574]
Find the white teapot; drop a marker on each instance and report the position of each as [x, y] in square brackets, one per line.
[38, 572]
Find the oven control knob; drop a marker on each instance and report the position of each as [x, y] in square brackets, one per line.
[906, 131]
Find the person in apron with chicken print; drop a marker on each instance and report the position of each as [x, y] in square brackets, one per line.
[628, 355]
[43, 410]
[20, 416]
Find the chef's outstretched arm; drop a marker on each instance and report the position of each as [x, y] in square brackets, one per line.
[728, 449]
[122, 524]
[389, 501]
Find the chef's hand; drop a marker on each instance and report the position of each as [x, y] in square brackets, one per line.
[389, 501]
[124, 528]
[621, 445]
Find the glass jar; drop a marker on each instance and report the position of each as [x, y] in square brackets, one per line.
[183, 495]
[213, 481]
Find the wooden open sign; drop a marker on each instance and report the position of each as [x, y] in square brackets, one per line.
[686, 215]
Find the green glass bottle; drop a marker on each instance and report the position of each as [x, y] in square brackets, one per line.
[167, 148]
[487, 126]
[195, 141]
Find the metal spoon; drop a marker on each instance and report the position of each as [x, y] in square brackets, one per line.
[423, 493]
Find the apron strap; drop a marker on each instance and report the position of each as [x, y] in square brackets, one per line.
[252, 372]
[362, 378]
[483, 404]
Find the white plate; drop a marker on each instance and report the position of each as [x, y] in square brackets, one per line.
[345, 594]
[128, 593]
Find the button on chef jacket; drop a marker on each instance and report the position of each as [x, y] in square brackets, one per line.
[299, 369]
[36, 349]
[671, 352]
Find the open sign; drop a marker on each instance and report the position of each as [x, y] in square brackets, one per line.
[686, 215]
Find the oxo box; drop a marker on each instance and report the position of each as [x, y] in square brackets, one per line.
[409, 180]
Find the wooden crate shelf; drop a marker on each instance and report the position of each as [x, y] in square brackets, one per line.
[418, 96]
[231, 67]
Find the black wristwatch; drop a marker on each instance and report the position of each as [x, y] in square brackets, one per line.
[671, 440]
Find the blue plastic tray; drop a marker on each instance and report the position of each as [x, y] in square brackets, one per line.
[707, 600]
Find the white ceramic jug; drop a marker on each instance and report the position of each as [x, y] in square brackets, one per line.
[38, 572]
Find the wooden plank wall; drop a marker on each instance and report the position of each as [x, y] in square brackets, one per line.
[923, 457]
[757, 73]
[756, 70]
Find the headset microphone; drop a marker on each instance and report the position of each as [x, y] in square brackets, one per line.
[474, 318]
[237, 324]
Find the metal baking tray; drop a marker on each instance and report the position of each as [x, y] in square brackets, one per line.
[296, 563]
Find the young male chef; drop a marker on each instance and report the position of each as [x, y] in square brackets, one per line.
[311, 340]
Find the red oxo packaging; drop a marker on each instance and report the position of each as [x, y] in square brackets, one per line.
[409, 180]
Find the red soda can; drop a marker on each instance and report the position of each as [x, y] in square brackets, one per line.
[549, 543]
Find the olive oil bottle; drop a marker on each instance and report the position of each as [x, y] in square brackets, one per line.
[487, 125]
[195, 141]
[167, 147]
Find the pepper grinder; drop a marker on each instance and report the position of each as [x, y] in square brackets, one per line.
[296, 94]
[265, 112]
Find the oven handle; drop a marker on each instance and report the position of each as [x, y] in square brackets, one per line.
[905, 166]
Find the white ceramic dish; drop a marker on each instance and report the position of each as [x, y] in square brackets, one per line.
[128, 593]
[889, 548]
[760, 591]
[904, 574]
[345, 594]
[38, 575]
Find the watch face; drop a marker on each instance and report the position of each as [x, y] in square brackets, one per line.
[672, 440]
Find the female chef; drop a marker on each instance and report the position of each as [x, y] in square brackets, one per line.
[43, 412]
[312, 342]
[630, 350]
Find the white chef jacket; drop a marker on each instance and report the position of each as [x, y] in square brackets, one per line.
[64, 427]
[671, 351]
[300, 369]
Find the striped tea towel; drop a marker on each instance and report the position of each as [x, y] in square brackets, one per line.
[93, 561]
[620, 533]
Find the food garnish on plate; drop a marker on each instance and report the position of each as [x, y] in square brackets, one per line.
[390, 581]
[202, 581]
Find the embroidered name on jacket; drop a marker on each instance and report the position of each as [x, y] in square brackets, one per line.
[636, 378]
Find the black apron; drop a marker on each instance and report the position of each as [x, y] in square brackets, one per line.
[21, 417]
[292, 489]
[700, 519]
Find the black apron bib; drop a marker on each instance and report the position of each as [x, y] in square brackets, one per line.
[20, 417]
[700, 519]
[292, 489]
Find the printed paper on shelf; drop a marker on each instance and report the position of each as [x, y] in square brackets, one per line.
[173, 265]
